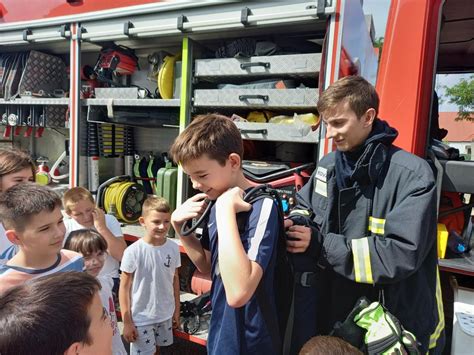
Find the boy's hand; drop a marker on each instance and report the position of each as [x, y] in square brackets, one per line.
[233, 199]
[176, 320]
[99, 218]
[130, 332]
[299, 237]
[191, 208]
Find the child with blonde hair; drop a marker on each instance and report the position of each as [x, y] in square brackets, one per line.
[149, 286]
[79, 205]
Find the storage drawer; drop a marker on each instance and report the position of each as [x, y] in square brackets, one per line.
[305, 65]
[250, 98]
[277, 132]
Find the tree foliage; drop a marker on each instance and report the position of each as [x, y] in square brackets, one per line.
[378, 43]
[462, 95]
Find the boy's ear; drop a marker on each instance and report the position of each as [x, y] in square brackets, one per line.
[370, 116]
[12, 236]
[141, 220]
[74, 349]
[234, 160]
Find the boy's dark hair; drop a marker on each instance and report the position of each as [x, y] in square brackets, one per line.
[22, 201]
[85, 241]
[212, 134]
[74, 195]
[47, 315]
[355, 90]
[322, 345]
[155, 203]
[13, 160]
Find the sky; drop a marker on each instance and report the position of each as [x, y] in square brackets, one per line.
[379, 10]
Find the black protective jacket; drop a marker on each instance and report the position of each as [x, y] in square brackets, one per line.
[378, 234]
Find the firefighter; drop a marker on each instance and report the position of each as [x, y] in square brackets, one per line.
[371, 210]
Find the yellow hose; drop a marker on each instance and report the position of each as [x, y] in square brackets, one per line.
[115, 194]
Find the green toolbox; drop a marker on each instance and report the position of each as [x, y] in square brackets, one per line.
[166, 184]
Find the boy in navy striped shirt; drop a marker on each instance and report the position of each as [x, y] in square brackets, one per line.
[210, 151]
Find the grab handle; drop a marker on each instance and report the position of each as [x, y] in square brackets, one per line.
[254, 64]
[246, 97]
[254, 131]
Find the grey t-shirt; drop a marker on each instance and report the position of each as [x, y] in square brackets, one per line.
[152, 291]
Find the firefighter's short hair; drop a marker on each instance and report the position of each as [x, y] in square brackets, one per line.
[355, 90]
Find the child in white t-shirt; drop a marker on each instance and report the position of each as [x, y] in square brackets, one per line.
[149, 286]
[93, 248]
[79, 204]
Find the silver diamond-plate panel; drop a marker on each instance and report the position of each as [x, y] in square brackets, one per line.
[292, 64]
[43, 72]
[270, 98]
[55, 116]
[116, 93]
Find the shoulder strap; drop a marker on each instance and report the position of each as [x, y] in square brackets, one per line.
[281, 342]
[270, 318]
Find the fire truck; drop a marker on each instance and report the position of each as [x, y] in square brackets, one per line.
[136, 72]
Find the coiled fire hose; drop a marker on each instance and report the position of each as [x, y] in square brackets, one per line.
[124, 199]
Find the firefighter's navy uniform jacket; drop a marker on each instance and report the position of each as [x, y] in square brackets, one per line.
[378, 234]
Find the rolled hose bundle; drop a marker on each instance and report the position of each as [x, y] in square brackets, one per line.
[125, 200]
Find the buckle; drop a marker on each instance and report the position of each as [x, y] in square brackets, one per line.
[306, 279]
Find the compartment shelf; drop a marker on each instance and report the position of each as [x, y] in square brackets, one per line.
[277, 132]
[133, 102]
[36, 101]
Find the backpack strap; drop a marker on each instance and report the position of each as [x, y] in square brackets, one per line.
[270, 318]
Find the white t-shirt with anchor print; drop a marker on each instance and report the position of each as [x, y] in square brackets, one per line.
[152, 288]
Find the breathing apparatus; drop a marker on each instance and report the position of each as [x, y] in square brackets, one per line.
[191, 225]
[122, 197]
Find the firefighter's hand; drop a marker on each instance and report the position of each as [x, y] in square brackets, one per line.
[130, 332]
[299, 237]
[193, 207]
[99, 218]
